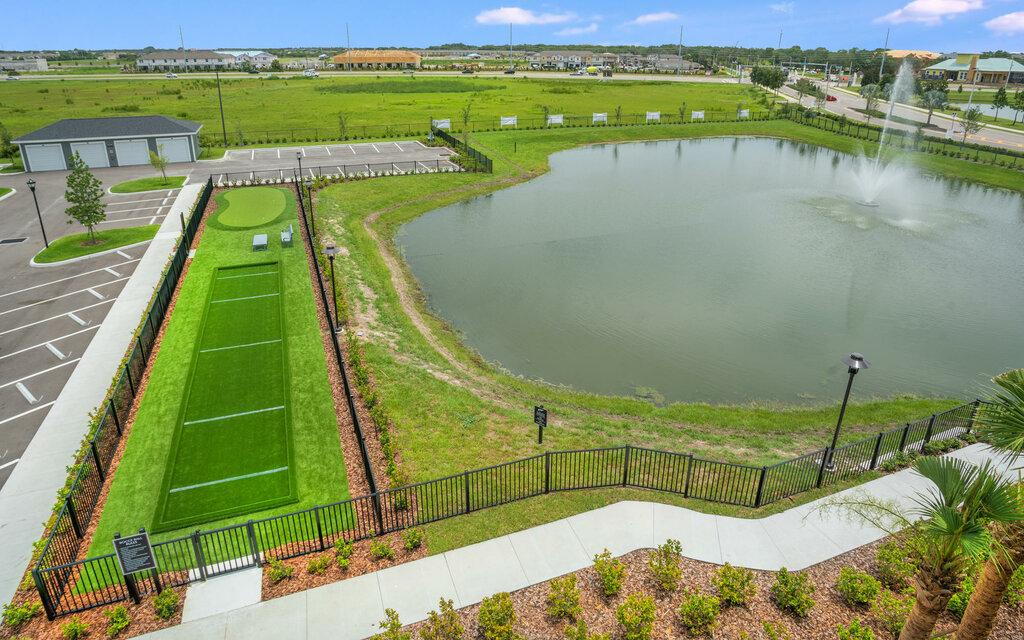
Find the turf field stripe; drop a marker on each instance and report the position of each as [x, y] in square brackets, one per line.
[239, 346]
[234, 415]
[262, 295]
[231, 479]
[247, 275]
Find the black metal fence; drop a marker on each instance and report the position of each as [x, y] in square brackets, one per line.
[910, 140]
[93, 582]
[287, 175]
[63, 542]
[477, 160]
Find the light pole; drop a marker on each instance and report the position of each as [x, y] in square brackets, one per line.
[298, 156]
[220, 100]
[854, 362]
[307, 188]
[32, 187]
[330, 251]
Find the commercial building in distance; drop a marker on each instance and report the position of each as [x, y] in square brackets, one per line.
[23, 64]
[971, 68]
[377, 59]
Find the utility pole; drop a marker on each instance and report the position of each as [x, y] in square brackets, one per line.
[679, 67]
[348, 47]
[220, 100]
[885, 49]
[181, 38]
[780, 44]
[510, 46]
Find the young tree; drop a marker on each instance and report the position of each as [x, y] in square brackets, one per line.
[618, 114]
[1018, 104]
[1001, 423]
[871, 94]
[7, 149]
[1000, 100]
[342, 126]
[159, 162]
[85, 197]
[933, 99]
[971, 121]
[275, 65]
[467, 115]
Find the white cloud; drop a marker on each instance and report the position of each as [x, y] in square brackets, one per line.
[520, 16]
[652, 18]
[1007, 25]
[577, 31]
[930, 12]
[783, 7]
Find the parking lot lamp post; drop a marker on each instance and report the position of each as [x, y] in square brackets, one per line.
[306, 188]
[32, 187]
[330, 250]
[298, 156]
[220, 100]
[854, 363]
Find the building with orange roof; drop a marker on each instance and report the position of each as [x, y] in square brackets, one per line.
[377, 59]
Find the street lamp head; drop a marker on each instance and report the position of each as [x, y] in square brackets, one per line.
[298, 155]
[856, 362]
[31, 184]
[330, 250]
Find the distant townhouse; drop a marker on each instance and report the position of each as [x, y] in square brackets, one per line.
[971, 68]
[562, 60]
[23, 64]
[670, 62]
[184, 60]
[258, 59]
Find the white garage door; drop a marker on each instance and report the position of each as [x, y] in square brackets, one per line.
[174, 149]
[131, 152]
[45, 157]
[93, 154]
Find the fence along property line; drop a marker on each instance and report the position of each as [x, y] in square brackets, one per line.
[63, 542]
[204, 554]
[361, 170]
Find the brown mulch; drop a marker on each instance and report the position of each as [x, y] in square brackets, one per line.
[359, 563]
[532, 621]
[143, 620]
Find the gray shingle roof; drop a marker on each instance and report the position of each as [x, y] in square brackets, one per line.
[126, 126]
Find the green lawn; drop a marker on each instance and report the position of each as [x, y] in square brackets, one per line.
[14, 165]
[77, 245]
[319, 468]
[4, 191]
[157, 183]
[286, 104]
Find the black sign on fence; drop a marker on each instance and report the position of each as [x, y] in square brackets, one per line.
[134, 553]
[540, 416]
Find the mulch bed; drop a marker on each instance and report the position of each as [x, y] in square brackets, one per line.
[532, 621]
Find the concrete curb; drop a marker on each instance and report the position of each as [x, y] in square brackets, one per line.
[43, 265]
[137, 193]
[8, 195]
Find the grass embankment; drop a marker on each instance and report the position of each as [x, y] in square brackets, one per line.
[284, 104]
[148, 184]
[319, 467]
[450, 411]
[77, 245]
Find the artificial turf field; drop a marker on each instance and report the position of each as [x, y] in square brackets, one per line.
[231, 448]
[138, 495]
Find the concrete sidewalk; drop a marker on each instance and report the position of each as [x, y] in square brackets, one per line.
[29, 494]
[350, 609]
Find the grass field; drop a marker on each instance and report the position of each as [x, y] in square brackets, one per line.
[231, 451]
[77, 245]
[318, 467]
[255, 104]
[148, 184]
[4, 191]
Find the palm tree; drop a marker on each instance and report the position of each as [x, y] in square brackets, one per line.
[1002, 423]
[955, 516]
[933, 100]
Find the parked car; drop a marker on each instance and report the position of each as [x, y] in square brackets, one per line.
[509, 72]
[831, 98]
[311, 73]
[12, 77]
[171, 76]
[467, 71]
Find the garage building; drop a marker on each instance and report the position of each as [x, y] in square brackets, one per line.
[109, 142]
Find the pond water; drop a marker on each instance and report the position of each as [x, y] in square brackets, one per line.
[730, 270]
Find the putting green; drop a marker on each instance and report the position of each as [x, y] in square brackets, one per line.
[251, 207]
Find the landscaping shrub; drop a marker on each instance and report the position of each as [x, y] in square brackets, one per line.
[898, 460]
[412, 539]
[937, 447]
[776, 631]
[1015, 590]
[892, 610]
[698, 612]
[610, 571]
[958, 601]
[342, 562]
[854, 631]
[444, 624]
[279, 571]
[792, 592]
[857, 587]
[636, 615]
[735, 584]
[895, 567]
[117, 620]
[391, 627]
[317, 565]
[497, 618]
[381, 550]
[343, 548]
[74, 629]
[166, 603]
[579, 631]
[664, 563]
[16, 615]
[564, 598]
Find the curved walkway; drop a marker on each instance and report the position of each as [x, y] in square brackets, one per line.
[350, 609]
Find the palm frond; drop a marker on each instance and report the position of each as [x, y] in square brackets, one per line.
[1001, 421]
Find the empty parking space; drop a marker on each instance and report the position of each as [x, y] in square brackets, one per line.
[129, 210]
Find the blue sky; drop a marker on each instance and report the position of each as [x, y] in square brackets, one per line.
[941, 25]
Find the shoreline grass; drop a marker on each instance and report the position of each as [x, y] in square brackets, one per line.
[140, 185]
[77, 245]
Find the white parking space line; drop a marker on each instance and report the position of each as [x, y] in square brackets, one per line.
[252, 156]
[60, 315]
[351, 149]
[64, 295]
[303, 152]
[421, 144]
[71, 314]
[9, 464]
[130, 219]
[169, 194]
[96, 294]
[149, 208]
[328, 149]
[77, 275]
[55, 351]
[37, 373]
[398, 145]
[112, 272]
[279, 154]
[122, 254]
[25, 393]
[49, 344]
[25, 413]
[375, 147]
[116, 202]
